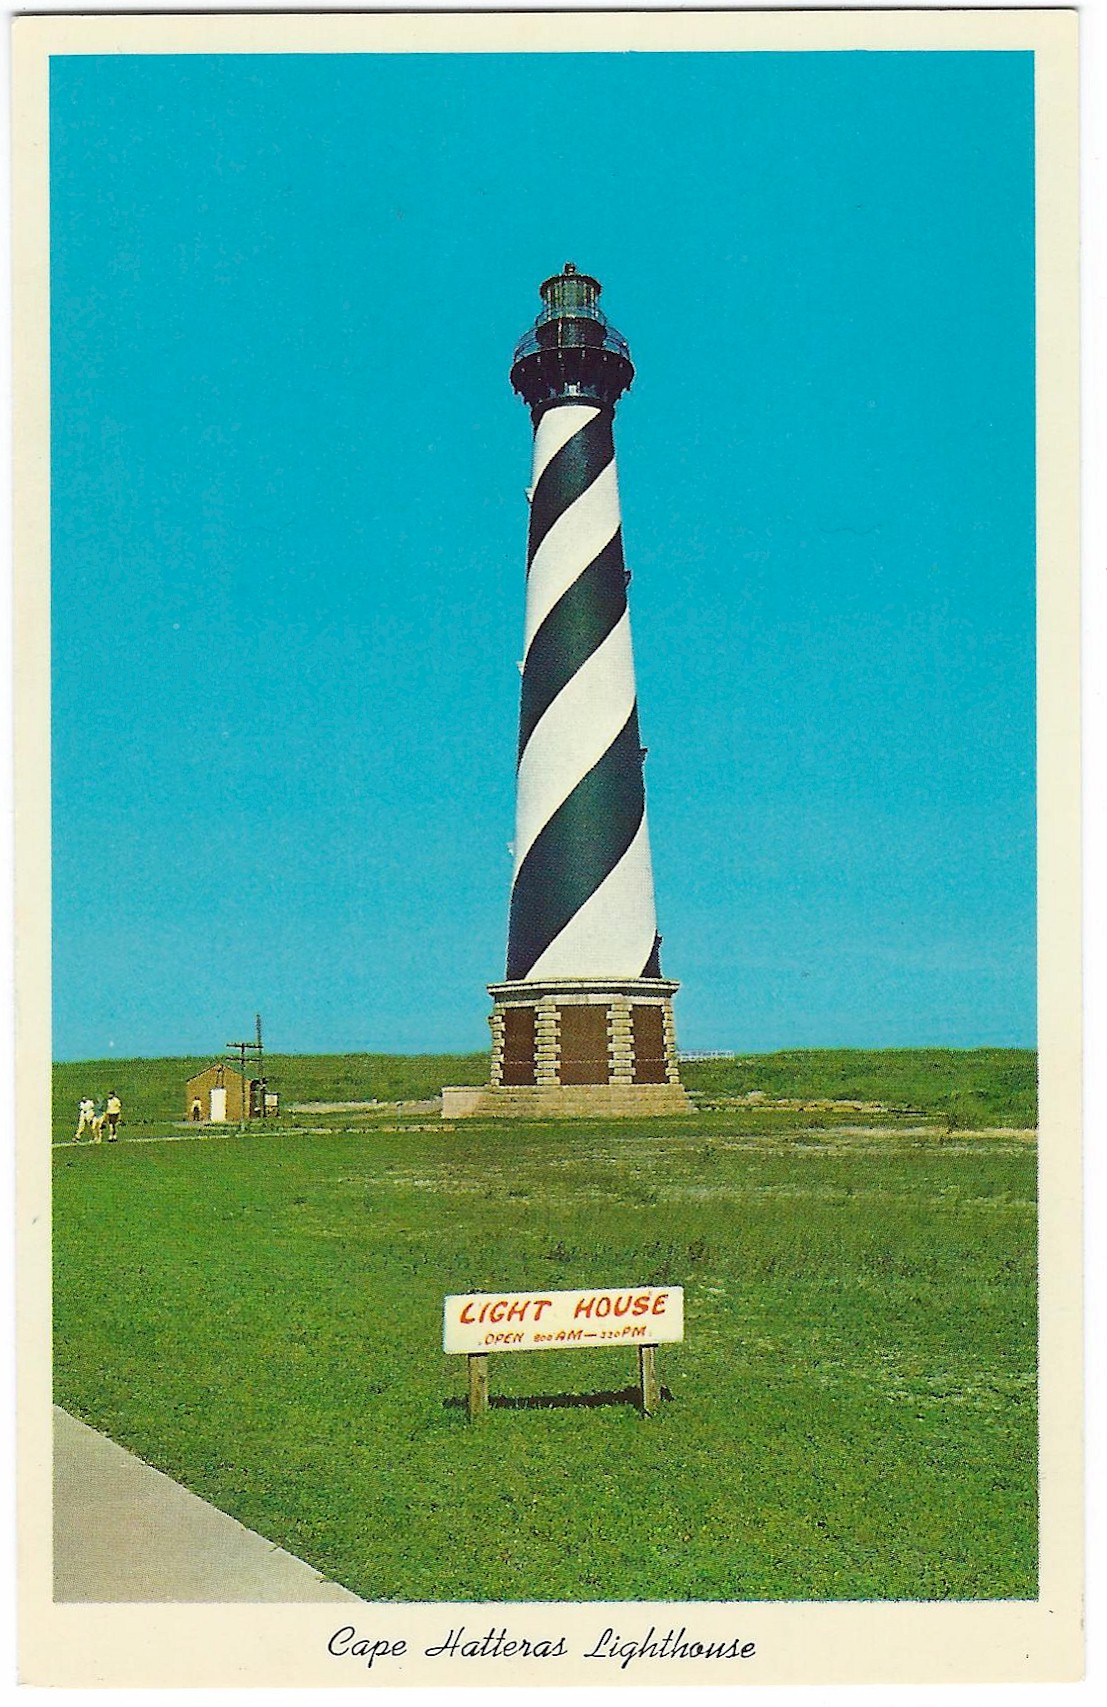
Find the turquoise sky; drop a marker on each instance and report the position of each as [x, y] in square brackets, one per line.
[289, 532]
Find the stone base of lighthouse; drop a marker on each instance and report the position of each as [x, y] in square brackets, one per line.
[578, 1046]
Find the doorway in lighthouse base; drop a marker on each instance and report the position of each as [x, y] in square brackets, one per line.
[584, 1048]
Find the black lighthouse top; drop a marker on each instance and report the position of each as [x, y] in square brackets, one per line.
[571, 353]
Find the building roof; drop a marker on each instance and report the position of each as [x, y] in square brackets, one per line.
[228, 1073]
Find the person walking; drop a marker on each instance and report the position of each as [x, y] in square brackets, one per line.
[113, 1111]
[85, 1113]
[98, 1117]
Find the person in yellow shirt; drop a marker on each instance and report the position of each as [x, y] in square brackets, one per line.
[112, 1113]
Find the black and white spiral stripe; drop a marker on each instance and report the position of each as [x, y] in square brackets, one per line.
[582, 893]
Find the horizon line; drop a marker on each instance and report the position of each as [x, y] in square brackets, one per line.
[689, 1055]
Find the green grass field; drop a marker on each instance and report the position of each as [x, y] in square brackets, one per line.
[852, 1413]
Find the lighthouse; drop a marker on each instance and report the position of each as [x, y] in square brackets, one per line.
[583, 1020]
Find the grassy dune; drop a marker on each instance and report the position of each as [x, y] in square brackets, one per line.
[957, 1088]
[964, 1087]
[852, 1413]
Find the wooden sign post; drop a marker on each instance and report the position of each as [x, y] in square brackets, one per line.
[479, 1323]
[648, 1380]
[478, 1383]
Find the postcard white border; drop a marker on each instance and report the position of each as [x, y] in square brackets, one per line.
[206, 1646]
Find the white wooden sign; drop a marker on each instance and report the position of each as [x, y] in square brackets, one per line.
[480, 1322]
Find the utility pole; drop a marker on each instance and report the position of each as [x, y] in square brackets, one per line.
[254, 1046]
[261, 1075]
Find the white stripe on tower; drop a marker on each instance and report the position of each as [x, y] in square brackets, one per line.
[615, 928]
[573, 734]
[556, 428]
[573, 542]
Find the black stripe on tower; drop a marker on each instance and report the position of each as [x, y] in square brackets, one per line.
[581, 620]
[577, 848]
[567, 475]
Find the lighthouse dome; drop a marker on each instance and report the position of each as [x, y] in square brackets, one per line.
[572, 352]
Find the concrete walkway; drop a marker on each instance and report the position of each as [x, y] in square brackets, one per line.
[125, 1532]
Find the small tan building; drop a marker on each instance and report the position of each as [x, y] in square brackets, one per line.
[220, 1094]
